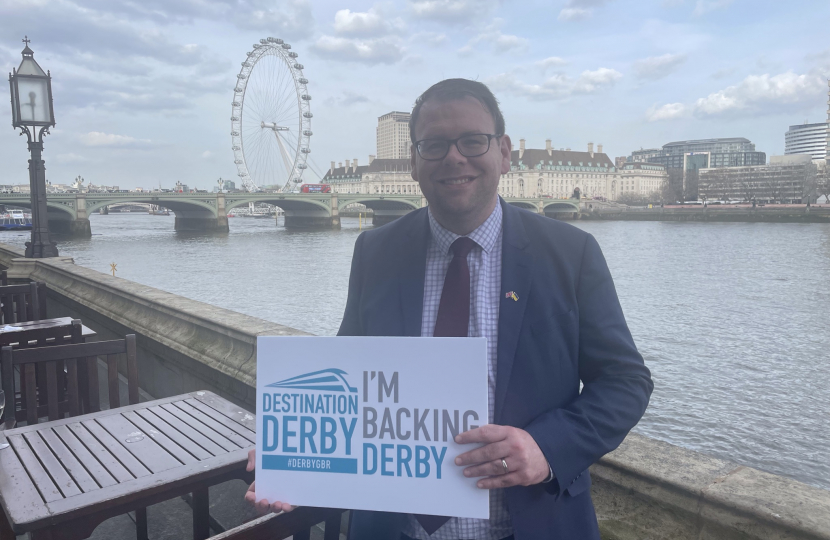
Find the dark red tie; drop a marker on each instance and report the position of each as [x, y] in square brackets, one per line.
[453, 321]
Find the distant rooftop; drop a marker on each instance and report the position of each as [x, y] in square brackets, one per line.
[709, 141]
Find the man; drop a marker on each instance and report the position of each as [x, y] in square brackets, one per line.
[539, 290]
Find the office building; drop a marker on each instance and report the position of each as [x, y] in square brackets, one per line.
[393, 136]
[807, 139]
[709, 153]
[643, 155]
[787, 179]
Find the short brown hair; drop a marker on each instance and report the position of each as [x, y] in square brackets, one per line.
[452, 89]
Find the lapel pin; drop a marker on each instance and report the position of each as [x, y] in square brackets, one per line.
[512, 295]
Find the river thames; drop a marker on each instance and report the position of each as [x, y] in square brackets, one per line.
[732, 318]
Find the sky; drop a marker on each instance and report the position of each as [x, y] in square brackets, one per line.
[143, 88]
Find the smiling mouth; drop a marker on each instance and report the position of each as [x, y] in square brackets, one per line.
[456, 181]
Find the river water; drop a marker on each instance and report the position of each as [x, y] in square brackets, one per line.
[732, 318]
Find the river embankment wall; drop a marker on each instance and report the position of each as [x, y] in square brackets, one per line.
[647, 489]
[712, 213]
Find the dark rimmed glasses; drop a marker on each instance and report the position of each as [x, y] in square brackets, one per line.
[468, 146]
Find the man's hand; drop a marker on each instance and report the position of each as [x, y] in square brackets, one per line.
[263, 506]
[526, 464]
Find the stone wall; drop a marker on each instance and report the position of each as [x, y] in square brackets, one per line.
[645, 490]
[183, 345]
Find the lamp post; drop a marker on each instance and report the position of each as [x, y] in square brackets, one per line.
[34, 116]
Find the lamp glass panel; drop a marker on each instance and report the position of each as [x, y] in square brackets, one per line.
[34, 100]
[14, 104]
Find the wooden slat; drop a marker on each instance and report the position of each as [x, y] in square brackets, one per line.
[200, 427]
[92, 383]
[101, 475]
[143, 448]
[112, 381]
[31, 393]
[233, 420]
[20, 497]
[230, 434]
[132, 370]
[161, 438]
[54, 467]
[33, 307]
[182, 437]
[74, 467]
[186, 430]
[8, 386]
[20, 307]
[73, 350]
[52, 389]
[105, 457]
[72, 387]
[47, 489]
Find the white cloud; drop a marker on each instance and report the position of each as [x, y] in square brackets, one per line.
[657, 67]
[551, 61]
[559, 86]
[576, 10]
[762, 93]
[98, 138]
[703, 7]
[492, 39]
[669, 111]
[206, 154]
[368, 51]
[575, 14]
[364, 24]
[452, 11]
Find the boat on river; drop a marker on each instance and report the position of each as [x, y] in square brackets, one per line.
[16, 220]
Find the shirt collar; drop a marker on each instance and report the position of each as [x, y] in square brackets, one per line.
[485, 235]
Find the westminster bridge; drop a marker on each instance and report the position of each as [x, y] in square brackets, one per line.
[69, 212]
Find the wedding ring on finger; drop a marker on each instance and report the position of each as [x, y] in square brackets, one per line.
[504, 464]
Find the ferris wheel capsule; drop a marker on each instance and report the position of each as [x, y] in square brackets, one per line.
[302, 80]
[299, 66]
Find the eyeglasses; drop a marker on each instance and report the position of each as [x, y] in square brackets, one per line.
[468, 146]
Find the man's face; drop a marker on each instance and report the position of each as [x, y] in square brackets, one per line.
[459, 189]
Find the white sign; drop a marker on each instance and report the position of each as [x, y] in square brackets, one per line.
[367, 423]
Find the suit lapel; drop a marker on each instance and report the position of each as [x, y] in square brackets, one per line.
[412, 267]
[517, 261]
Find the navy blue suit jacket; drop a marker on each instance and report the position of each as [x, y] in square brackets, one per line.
[567, 326]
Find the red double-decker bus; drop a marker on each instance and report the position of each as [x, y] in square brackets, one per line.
[315, 188]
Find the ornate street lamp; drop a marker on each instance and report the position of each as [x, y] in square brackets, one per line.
[32, 112]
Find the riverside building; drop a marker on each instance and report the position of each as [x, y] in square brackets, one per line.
[787, 179]
[807, 139]
[709, 153]
[533, 174]
[393, 136]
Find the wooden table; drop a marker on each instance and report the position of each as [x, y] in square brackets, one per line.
[31, 328]
[59, 480]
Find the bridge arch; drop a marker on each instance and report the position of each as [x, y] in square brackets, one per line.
[524, 204]
[183, 206]
[379, 202]
[292, 204]
[560, 206]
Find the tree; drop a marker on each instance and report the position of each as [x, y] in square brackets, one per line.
[823, 183]
[672, 188]
[690, 185]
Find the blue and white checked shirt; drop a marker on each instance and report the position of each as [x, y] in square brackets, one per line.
[485, 290]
